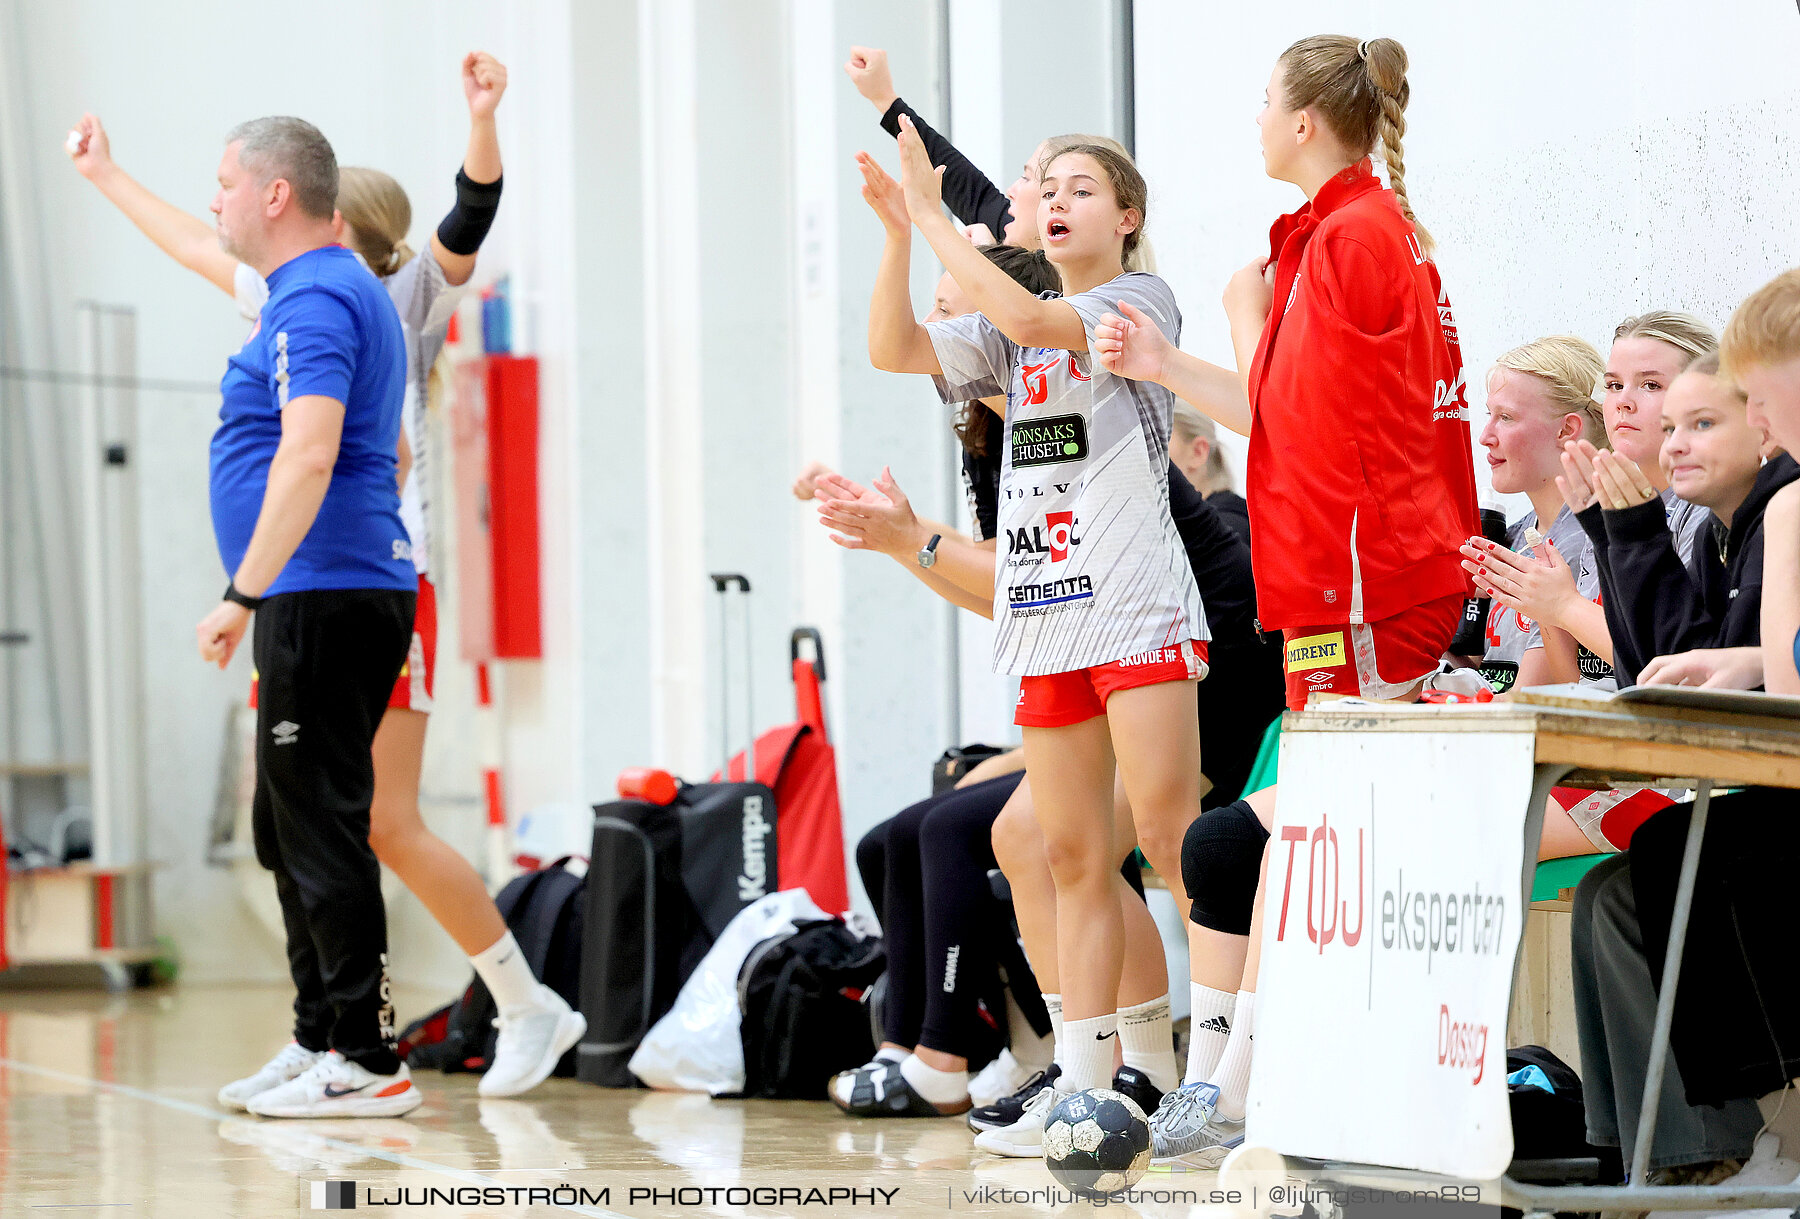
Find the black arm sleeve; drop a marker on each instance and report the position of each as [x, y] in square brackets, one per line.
[1660, 603]
[466, 225]
[970, 195]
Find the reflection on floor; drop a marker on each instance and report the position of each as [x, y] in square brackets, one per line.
[107, 1108]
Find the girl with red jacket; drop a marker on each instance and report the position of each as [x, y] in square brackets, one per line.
[1360, 478]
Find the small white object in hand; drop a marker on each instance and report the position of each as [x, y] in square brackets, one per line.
[74, 142]
[1532, 536]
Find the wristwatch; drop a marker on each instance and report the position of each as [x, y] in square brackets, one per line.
[928, 556]
[233, 595]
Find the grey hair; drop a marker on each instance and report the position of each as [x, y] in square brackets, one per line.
[291, 148]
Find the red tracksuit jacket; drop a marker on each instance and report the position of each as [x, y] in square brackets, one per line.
[1361, 475]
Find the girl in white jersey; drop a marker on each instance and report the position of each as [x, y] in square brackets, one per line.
[1540, 397]
[1094, 600]
[536, 1025]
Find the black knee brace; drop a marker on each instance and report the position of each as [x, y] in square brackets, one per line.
[1221, 864]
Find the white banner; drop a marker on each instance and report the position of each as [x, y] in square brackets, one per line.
[1392, 922]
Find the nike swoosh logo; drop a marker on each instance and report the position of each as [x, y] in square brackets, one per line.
[332, 1091]
[1104, 1036]
[503, 960]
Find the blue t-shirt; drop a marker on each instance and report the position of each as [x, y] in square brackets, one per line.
[328, 329]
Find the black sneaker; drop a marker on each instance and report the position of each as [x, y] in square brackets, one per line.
[1135, 1084]
[1009, 1109]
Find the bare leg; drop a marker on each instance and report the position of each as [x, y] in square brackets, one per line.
[1561, 837]
[1158, 743]
[1019, 848]
[438, 876]
[1072, 769]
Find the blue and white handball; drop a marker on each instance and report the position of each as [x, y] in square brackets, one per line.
[1097, 1142]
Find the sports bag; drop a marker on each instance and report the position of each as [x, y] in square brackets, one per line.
[801, 996]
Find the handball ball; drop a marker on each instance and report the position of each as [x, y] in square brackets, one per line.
[1097, 1142]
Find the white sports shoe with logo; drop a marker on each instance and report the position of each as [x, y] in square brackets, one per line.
[532, 1040]
[291, 1061]
[1024, 1139]
[336, 1087]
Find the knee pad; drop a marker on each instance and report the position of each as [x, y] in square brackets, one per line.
[1221, 865]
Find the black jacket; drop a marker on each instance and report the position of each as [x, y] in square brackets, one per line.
[1654, 605]
[969, 194]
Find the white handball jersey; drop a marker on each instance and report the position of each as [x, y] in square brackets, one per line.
[425, 301]
[1511, 634]
[1091, 569]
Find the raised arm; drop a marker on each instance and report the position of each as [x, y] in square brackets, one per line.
[187, 239]
[460, 234]
[897, 340]
[1020, 316]
[970, 194]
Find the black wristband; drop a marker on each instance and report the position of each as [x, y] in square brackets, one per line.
[241, 598]
[466, 226]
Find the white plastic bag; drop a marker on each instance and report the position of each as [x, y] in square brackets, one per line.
[698, 1046]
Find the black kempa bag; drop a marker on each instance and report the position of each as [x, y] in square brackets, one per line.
[544, 911]
[664, 881]
[801, 995]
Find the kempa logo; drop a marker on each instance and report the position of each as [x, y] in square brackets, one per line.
[753, 881]
[285, 733]
[334, 1195]
[1048, 442]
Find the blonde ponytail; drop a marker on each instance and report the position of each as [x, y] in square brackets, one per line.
[1360, 91]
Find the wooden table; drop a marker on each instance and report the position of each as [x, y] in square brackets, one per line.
[1664, 737]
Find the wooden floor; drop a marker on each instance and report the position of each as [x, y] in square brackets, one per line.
[107, 1108]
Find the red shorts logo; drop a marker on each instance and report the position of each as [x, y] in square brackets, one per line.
[1062, 534]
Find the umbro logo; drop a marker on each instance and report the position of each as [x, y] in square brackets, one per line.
[1218, 1024]
[285, 733]
[1319, 677]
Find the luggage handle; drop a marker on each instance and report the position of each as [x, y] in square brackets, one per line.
[818, 647]
[723, 582]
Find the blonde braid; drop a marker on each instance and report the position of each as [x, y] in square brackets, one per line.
[1386, 64]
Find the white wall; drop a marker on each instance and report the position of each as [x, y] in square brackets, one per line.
[1608, 163]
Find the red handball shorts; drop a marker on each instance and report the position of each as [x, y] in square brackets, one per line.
[412, 690]
[1373, 660]
[1056, 700]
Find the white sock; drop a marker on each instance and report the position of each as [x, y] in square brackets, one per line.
[1209, 1026]
[892, 1055]
[1147, 1041]
[1233, 1075]
[1053, 1004]
[509, 979]
[1029, 1049]
[1088, 1053]
[938, 1087]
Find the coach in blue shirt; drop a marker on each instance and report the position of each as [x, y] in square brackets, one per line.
[306, 511]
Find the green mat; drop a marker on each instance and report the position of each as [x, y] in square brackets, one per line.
[1553, 875]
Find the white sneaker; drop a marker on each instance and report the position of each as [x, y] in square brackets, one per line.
[1025, 1137]
[292, 1061]
[532, 1039]
[1766, 1166]
[336, 1087]
[1001, 1077]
